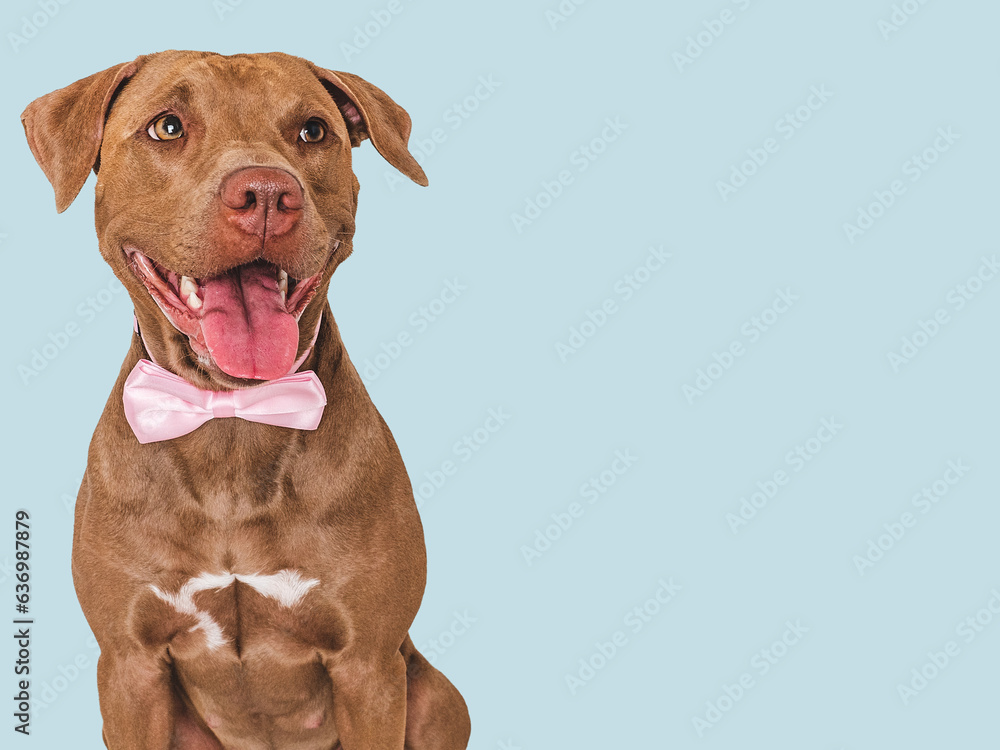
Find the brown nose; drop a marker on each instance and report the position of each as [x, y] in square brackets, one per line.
[261, 201]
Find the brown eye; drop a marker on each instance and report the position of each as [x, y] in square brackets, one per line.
[312, 132]
[166, 128]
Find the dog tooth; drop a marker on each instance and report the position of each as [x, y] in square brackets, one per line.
[194, 301]
[188, 286]
[283, 284]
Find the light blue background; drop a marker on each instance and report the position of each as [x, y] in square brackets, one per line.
[655, 185]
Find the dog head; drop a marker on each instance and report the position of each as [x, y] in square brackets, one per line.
[225, 197]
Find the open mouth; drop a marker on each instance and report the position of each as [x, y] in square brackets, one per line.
[245, 320]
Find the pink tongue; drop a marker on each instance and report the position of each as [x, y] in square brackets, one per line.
[246, 327]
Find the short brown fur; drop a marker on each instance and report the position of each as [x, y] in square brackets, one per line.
[334, 504]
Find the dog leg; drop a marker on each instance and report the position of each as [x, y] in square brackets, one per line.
[189, 732]
[189, 735]
[436, 714]
[369, 701]
[137, 703]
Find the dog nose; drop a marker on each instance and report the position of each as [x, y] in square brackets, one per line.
[261, 201]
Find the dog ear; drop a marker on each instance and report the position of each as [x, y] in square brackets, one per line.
[370, 113]
[64, 129]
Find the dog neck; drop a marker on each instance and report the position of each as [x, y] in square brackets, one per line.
[270, 452]
[295, 367]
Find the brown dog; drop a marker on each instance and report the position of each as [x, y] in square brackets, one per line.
[250, 585]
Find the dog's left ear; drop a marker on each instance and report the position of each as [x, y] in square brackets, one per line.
[370, 113]
[64, 129]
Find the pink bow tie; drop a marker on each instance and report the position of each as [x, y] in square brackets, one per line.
[161, 406]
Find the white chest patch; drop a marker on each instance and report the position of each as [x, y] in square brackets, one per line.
[286, 587]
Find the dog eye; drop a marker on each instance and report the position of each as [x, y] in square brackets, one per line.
[312, 132]
[166, 128]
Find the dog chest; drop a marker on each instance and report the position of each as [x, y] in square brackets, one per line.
[227, 616]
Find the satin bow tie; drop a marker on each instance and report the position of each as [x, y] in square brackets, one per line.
[161, 406]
